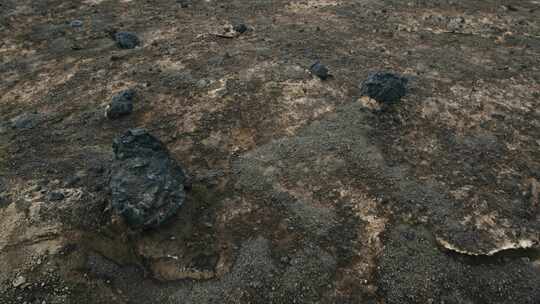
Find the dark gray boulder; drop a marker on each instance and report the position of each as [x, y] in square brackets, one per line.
[121, 104]
[147, 184]
[240, 28]
[384, 87]
[127, 40]
[319, 70]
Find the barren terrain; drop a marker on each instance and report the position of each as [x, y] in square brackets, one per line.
[301, 189]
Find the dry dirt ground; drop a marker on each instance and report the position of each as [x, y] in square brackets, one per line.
[302, 192]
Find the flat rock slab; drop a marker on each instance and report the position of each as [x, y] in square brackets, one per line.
[147, 184]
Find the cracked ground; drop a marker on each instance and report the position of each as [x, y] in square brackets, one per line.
[301, 191]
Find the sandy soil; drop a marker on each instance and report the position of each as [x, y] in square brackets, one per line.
[302, 191]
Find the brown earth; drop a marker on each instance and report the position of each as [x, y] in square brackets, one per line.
[302, 191]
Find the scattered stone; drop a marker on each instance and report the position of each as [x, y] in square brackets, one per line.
[121, 104]
[202, 83]
[240, 28]
[55, 196]
[456, 24]
[127, 40]
[184, 3]
[384, 87]
[76, 23]
[510, 8]
[147, 184]
[20, 280]
[72, 181]
[319, 70]
[25, 121]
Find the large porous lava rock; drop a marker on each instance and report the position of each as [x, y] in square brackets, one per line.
[384, 87]
[147, 184]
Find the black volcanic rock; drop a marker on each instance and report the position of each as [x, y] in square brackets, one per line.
[240, 28]
[126, 40]
[121, 104]
[384, 87]
[147, 184]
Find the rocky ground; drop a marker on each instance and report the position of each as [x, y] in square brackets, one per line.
[300, 190]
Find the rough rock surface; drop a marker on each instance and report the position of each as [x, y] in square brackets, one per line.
[384, 87]
[319, 70]
[127, 40]
[240, 28]
[121, 104]
[147, 184]
[25, 121]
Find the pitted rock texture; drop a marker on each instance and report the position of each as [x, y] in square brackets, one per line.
[384, 87]
[147, 184]
[121, 104]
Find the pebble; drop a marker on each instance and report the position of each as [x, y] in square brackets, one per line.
[25, 121]
[456, 24]
[127, 40]
[240, 28]
[121, 104]
[76, 23]
[184, 3]
[319, 70]
[202, 83]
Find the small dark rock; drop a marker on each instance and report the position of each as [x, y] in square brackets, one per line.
[121, 104]
[76, 23]
[25, 121]
[127, 40]
[55, 196]
[319, 70]
[72, 181]
[456, 24]
[184, 3]
[384, 87]
[147, 184]
[240, 28]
